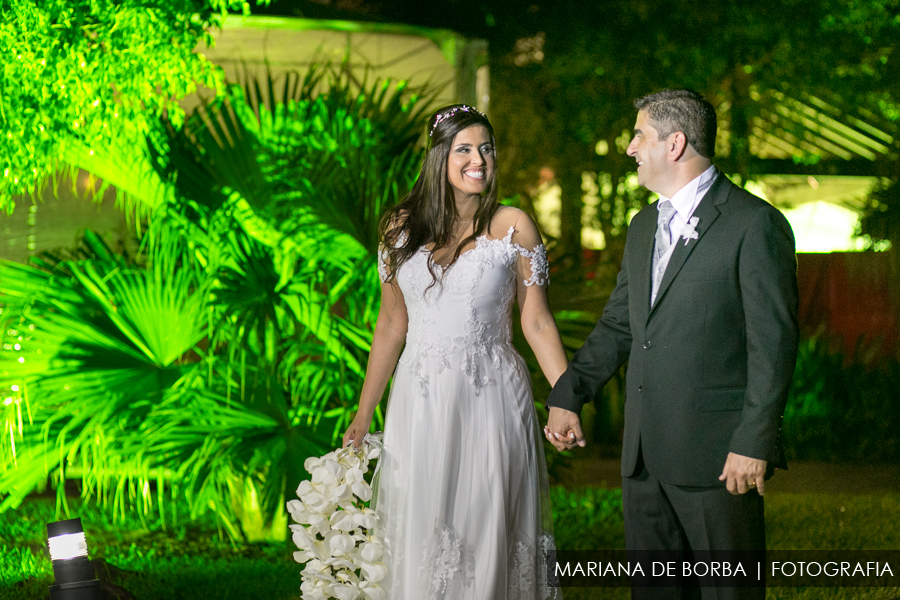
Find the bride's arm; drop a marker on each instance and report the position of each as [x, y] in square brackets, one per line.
[387, 342]
[538, 323]
[539, 326]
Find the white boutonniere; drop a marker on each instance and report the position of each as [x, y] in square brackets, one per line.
[690, 230]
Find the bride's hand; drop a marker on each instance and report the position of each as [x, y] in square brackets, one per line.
[357, 431]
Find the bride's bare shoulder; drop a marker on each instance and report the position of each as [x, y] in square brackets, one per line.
[504, 218]
[509, 216]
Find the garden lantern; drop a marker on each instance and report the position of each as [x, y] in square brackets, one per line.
[72, 570]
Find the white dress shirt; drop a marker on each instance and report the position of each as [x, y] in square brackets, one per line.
[684, 202]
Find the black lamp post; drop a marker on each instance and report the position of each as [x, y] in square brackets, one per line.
[71, 568]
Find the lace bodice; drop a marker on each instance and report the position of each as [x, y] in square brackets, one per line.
[467, 312]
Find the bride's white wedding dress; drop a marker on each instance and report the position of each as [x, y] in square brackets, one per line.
[462, 493]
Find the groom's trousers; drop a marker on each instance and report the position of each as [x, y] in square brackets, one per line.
[682, 520]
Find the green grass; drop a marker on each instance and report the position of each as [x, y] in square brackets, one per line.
[191, 561]
[149, 559]
[592, 518]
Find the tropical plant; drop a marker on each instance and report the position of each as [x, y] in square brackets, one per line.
[234, 346]
[84, 74]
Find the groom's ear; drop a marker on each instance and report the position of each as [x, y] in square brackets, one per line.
[676, 145]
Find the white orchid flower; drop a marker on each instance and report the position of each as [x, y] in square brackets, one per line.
[316, 570]
[362, 491]
[341, 558]
[341, 494]
[343, 521]
[372, 591]
[318, 523]
[331, 471]
[314, 590]
[374, 572]
[349, 567]
[313, 462]
[344, 591]
[689, 232]
[315, 552]
[345, 575]
[311, 495]
[349, 458]
[338, 543]
[298, 511]
[373, 449]
[367, 519]
[371, 551]
[304, 488]
[302, 539]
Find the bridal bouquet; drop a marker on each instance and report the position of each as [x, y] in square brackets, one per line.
[343, 559]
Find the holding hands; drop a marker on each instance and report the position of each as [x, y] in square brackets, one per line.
[740, 473]
[563, 429]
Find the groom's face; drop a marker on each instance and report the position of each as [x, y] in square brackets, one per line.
[650, 153]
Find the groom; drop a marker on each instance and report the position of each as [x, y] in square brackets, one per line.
[705, 312]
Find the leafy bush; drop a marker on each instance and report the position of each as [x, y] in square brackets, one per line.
[843, 408]
[83, 73]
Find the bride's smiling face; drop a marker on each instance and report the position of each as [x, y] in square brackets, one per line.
[470, 165]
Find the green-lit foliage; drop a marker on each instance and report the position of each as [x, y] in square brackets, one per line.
[843, 407]
[305, 168]
[320, 145]
[82, 74]
[344, 154]
[234, 347]
[93, 348]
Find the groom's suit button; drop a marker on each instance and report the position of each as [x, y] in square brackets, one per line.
[647, 345]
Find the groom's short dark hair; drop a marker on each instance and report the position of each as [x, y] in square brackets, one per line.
[685, 111]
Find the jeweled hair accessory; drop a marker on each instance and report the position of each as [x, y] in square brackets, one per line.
[449, 113]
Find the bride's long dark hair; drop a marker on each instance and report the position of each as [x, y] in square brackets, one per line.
[428, 213]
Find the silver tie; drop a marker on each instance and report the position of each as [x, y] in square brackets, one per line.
[663, 241]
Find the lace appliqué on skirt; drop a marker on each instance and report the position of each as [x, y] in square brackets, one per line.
[445, 566]
[529, 569]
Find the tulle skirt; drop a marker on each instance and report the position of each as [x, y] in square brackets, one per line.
[462, 490]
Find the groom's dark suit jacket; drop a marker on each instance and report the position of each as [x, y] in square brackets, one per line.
[710, 363]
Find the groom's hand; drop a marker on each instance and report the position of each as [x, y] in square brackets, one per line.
[563, 429]
[742, 474]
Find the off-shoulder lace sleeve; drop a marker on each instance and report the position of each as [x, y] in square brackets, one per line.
[537, 270]
[532, 268]
[383, 256]
[382, 263]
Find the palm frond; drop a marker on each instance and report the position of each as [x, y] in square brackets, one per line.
[97, 343]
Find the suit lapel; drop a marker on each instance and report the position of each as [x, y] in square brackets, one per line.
[706, 213]
[641, 285]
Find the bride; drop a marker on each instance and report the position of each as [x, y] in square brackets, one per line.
[462, 493]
